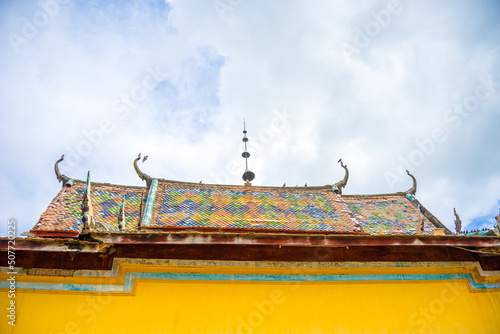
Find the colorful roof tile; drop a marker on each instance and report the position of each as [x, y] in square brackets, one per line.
[254, 208]
[181, 206]
[64, 213]
[387, 214]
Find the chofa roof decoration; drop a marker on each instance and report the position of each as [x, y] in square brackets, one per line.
[60, 176]
[342, 183]
[143, 176]
[165, 205]
[413, 190]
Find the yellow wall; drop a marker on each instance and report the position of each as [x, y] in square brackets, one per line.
[257, 307]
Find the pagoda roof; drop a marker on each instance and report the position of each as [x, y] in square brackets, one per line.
[185, 206]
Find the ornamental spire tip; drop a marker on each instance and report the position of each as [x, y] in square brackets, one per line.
[248, 175]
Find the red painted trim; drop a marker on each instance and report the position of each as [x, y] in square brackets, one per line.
[332, 240]
[55, 234]
[285, 239]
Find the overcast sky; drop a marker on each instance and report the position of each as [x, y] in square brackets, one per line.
[386, 86]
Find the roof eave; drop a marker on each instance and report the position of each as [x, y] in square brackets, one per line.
[292, 239]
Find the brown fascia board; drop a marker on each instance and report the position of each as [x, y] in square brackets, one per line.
[298, 240]
[53, 234]
[103, 260]
[97, 242]
[99, 251]
[51, 245]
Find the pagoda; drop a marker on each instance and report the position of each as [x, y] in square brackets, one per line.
[182, 257]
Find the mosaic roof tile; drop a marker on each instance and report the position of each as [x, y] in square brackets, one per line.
[254, 208]
[186, 205]
[64, 213]
[387, 214]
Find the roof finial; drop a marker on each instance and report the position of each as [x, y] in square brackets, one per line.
[341, 184]
[413, 189]
[60, 176]
[458, 222]
[247, 175]
[143, 176]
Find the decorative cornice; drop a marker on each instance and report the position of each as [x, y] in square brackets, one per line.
[130, 279]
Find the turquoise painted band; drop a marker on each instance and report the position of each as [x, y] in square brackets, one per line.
[129, 277]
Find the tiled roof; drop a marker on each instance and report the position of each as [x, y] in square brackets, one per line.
[387, 214]
[183, 206]
[64, 213]
[254, 208]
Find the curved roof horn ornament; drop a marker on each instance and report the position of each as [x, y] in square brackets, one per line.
[60, 176]
[341, 184]
[413, 189]
[458, 222]
[143, 176]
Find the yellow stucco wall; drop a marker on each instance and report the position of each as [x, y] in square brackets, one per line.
[239, 307]
[200, 306]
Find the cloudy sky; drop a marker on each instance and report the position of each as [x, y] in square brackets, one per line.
[386, 86]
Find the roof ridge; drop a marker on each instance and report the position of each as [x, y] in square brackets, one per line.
[252, 188]
[348, 212]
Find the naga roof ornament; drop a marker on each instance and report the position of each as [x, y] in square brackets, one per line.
[60, 176]
[341, 184]
[143, 176]
[87, 208]
[413, 189]
[458, 222]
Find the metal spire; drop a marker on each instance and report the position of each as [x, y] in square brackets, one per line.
[247, 175]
